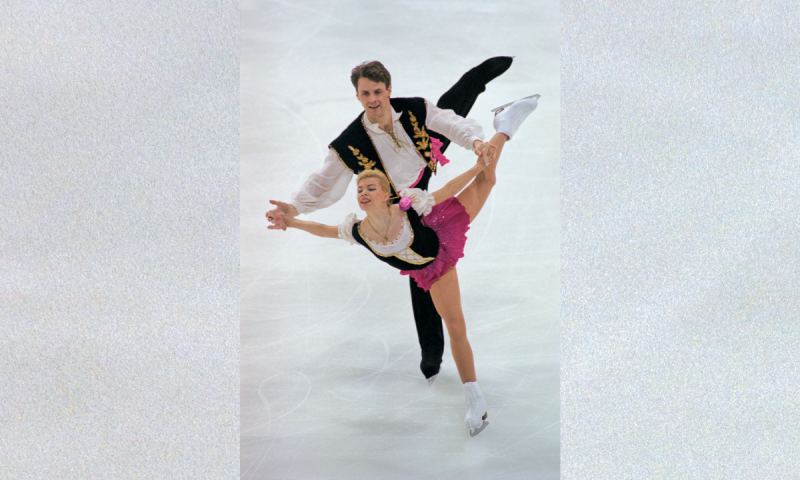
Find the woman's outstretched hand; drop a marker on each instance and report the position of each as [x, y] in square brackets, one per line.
[286, 209]
[279, 221]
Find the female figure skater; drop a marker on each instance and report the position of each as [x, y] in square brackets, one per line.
[423, 235]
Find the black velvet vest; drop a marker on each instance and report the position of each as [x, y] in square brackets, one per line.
[356, 150]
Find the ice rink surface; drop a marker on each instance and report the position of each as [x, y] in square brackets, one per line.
[330, 380]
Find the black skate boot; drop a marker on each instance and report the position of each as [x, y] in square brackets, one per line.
[430, 367]
[461, 96]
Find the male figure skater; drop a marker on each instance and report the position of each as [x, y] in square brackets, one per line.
[394, 136]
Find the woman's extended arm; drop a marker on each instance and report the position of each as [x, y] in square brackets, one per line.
[454, 186]
[313, 228]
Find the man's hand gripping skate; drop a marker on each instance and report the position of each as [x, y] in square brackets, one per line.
[486, 151]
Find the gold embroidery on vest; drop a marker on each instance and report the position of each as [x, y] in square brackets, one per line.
[362, 160]
[423, 144]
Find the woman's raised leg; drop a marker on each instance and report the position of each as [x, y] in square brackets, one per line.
[506, 122]
[474, 196]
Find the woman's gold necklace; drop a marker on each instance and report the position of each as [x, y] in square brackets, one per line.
[385, 238]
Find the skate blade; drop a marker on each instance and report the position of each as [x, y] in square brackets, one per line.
[478, 430]
[432, 379]
[515, 101]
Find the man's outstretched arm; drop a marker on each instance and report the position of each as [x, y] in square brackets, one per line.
[322, 189]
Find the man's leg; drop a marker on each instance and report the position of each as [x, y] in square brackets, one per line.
[461, 96]
[429, 330]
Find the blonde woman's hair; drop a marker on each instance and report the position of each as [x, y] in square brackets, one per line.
[382, 180]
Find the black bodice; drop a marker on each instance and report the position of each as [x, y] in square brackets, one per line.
[424, 245]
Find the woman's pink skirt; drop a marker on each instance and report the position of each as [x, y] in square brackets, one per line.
[450, 221]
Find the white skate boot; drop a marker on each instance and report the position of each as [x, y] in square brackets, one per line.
[476, 409]
[511, 115]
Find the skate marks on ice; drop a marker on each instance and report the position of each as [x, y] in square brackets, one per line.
[314, 18]
[336, 400]
[330, 384]
[330, 368]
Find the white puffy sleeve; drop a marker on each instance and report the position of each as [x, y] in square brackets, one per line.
[461, 131]
[421, 201]
[346, 228]
[324, 187]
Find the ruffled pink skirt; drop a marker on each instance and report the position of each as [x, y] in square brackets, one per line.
[450, 221]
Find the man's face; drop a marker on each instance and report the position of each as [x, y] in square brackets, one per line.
[375, 99]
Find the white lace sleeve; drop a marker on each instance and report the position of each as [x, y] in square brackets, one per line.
[346, 229]
[421, 201]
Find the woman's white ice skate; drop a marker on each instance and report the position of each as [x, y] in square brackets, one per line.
[511, 115]
[536, 96]
[476, 416]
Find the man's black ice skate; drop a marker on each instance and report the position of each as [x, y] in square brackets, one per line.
[430, 368]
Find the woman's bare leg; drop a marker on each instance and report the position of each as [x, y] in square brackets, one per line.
[474, 196]
[446, 297]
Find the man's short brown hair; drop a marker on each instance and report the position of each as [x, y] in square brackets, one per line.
[374, 71]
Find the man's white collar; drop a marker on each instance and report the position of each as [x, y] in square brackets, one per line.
[375, 127]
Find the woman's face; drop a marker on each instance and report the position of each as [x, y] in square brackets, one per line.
[371, 194]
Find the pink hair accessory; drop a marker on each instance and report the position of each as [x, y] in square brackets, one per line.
[405, 203]
[436, 152]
